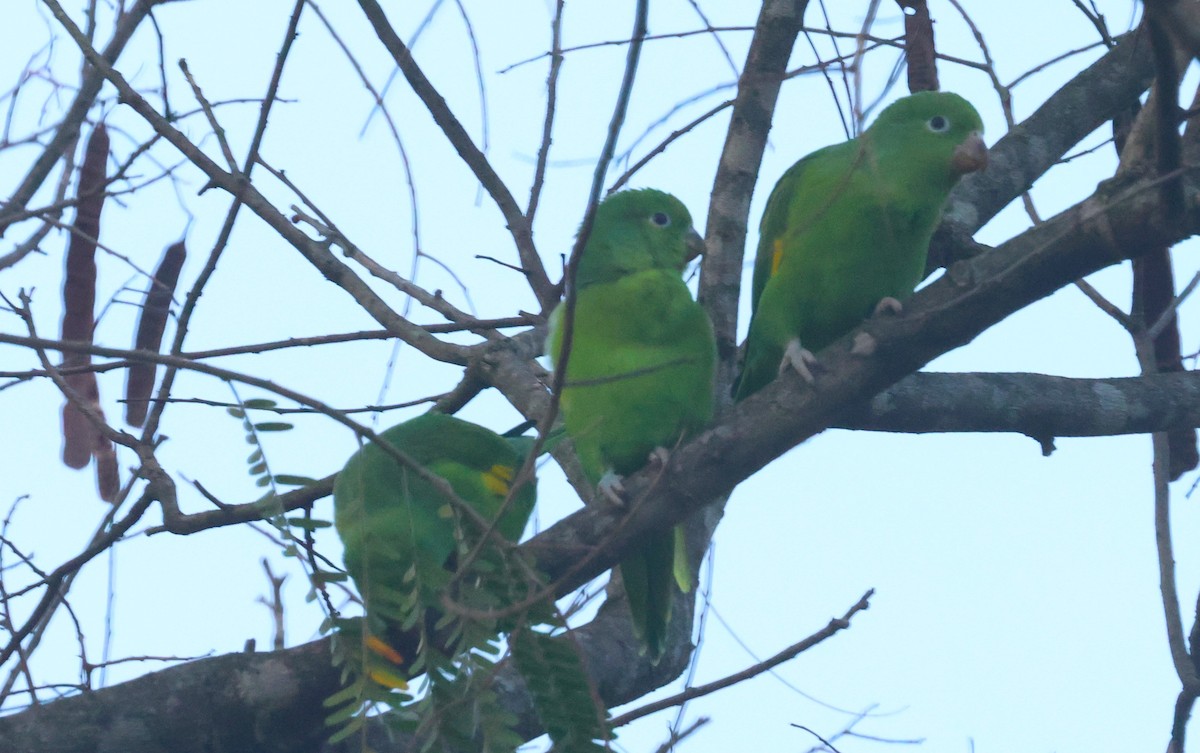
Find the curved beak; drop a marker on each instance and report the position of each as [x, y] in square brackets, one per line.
[695, 245]
[970, 155]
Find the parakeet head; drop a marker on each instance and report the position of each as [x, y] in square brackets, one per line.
[635, 231]
[933, 136]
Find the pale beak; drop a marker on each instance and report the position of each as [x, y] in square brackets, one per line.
[695, 245]
[970, 155]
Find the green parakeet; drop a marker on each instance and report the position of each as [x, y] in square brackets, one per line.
[639, 371]
[401, 533]
[846, 230]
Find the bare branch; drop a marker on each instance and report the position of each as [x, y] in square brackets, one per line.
[1037, 405]
[737, 173]
[556, 59]
[316, 253]
[475, 159]
[835, 626]
[1032, 147]
[68, 129]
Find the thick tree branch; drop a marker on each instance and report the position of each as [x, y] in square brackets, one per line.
[1180, 19]
[1032, 147]
[272, 703]
[1037, 405]
[775, 33]
[973, 296]
[949, 313]
[267, 703]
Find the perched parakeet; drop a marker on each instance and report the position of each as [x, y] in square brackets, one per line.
[401, 533]
[846, 230]
[639, 371]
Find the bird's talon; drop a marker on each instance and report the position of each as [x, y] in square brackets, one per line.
[801, 359]
[888, 305]
[611, 488]
[659, 457]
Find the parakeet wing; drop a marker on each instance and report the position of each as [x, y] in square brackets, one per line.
[395, 523]
[850, 225]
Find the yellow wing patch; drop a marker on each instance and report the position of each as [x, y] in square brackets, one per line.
[387, 678]
[777, 256]
[498, 479]
[384, 675]
[383, 649]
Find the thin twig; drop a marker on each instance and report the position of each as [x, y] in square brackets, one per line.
[474, 158]
[834, 627]
[556, 59]
[68, 129]
[210, 266]
[525, 474]
[1169, 314]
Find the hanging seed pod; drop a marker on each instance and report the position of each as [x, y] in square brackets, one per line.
[79, 296]
[139, 383]
[919, 49]
[108, 475]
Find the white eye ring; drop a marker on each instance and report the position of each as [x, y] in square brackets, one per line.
[661, 219]
[938, 124]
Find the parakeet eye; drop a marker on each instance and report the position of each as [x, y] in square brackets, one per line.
[661, 219]
[938, 124]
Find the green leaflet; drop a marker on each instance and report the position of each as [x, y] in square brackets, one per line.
[558, 685]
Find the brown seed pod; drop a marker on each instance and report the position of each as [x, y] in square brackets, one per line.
[139, 383]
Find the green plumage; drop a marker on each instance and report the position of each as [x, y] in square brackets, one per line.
[639, 370]
[849, 225]
[399, 529]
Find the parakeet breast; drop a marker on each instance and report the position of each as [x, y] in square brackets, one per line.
[830, 284]
[640, 373]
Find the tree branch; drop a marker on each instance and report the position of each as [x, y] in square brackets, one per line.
[1035, 145]
[1037, 405]
[948, 313]
[518, 225]
[737, 173]
[268, 703]
[317, 253]
[68, 128]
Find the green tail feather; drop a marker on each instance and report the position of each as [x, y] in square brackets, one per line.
[679, 565]
[649, 577]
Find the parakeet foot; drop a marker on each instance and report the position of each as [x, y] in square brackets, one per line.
[864, 344]
[888, 305]
[658, 457]
[611, 488]
[799, 358]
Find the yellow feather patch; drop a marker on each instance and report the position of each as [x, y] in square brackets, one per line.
[498, 479]
[387, 652]
[777, 257]
[387, 679]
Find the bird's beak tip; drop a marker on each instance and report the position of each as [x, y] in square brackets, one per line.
[971, 155]
[695, 245]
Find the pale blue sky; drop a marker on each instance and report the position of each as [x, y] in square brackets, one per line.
[1017, 599]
